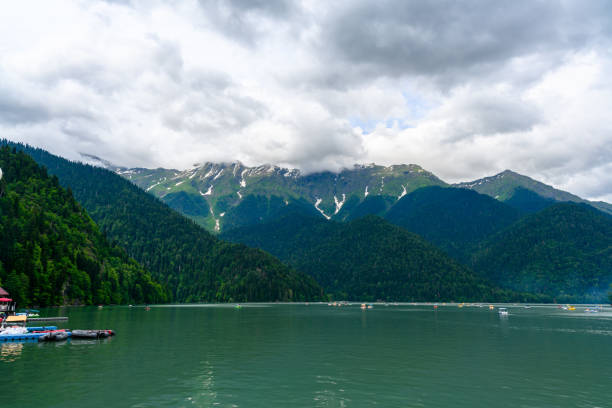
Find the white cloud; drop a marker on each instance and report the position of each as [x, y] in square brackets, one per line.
[463, 91]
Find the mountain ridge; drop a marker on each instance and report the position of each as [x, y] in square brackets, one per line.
[224, 185]
[503, 186]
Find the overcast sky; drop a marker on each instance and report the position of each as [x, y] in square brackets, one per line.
[464, 89]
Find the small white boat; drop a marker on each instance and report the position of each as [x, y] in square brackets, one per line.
[503, 311]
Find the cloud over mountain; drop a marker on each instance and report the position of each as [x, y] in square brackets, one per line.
[464, 89]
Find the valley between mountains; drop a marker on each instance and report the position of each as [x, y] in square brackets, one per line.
[227, 232]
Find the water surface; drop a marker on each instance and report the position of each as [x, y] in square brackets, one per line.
[318, 356]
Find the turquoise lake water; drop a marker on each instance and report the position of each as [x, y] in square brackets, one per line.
[299, 355]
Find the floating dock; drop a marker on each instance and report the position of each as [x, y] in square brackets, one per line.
[20, 337]
[41, 328]
[48, 319]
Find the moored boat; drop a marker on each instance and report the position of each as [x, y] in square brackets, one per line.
[54, 335]
[92, 334]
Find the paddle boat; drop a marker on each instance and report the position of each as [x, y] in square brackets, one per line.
[594, 309]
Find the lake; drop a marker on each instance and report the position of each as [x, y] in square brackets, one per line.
[278, 355]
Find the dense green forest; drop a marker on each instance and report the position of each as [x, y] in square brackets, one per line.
[371, 205]
[528, 201]
[454, 219]
[256, 209]
[564, 251]
[193, 264]
[51, 252]
[369, 259]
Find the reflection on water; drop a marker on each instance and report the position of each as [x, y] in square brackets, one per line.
[10, 351]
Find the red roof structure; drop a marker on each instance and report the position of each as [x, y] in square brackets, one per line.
[3, 293]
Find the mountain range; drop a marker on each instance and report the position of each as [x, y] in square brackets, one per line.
[214, 194]
[371, 232]
[474, 222]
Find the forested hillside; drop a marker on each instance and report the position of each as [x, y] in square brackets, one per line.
[368, 259]
[192, 263]
[52, 253]
[564, 251]
[454, 219]
[528, 201]
[256, 209]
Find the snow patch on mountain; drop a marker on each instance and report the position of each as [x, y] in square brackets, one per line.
[242, 180]
[217, 222]
[153, 186]
[319, 200]
[210, 172]
[179, 183]
[239, 195]
[339, 204]
[365, 194]
[382, 183]
[218, 174]
[208, 192]
[403, 192]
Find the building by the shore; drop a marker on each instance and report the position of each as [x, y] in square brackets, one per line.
[7, 306]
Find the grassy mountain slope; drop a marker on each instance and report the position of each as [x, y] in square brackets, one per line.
[366, 259]
[194, 265]
[564, 251]
[503, 186]
[52, 253]
[454, 219]
[226, 185]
